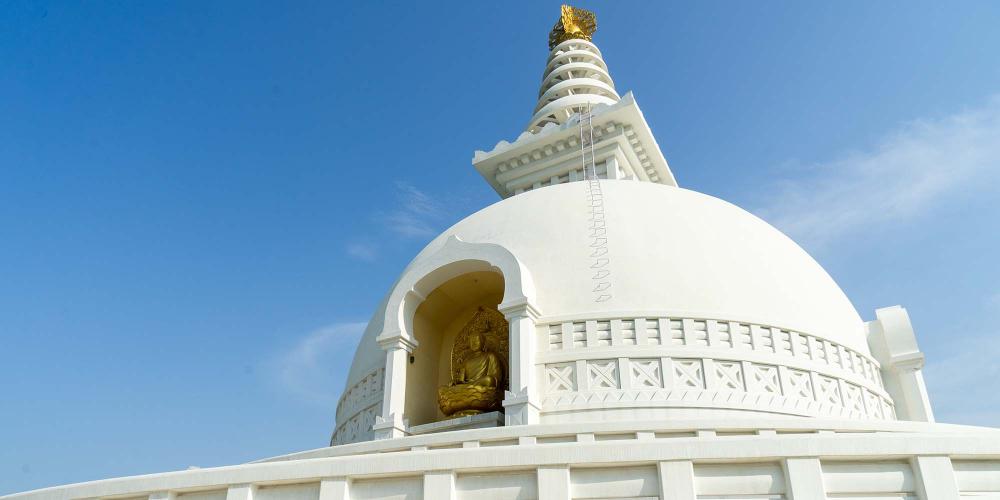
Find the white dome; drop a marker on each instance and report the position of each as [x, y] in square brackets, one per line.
[672, 251]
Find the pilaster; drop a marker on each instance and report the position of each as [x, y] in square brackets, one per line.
[335, 488]
[894, 345]
[676, 480]
[397, 350]
[521, 402]
[936, 477]
[439, 485]
[553, 482]
[804, 477]
[163, 495]
[241, 492]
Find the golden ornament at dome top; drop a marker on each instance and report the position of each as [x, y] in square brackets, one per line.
[574, 23]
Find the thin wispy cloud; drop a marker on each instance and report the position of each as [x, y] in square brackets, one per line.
[363, 250]
[911, 170]
[313, 366]
[416, 216]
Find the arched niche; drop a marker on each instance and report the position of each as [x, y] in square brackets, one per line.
[436, 324]
[453, 259]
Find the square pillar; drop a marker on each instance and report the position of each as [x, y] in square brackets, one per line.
[391, 423]
[241, 492]
[163, 495]
[804, 478]
[894, 345]
[936, 478]
[439, 485]
[676, 480]
[553, 482]
[521, 401]
[611, 167]
[334, 488]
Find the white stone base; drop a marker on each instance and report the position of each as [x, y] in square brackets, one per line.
[672, 460]
[481, 421]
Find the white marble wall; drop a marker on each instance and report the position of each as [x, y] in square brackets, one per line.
[797, 459]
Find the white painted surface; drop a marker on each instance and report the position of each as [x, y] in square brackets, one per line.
[614, 482]
[978, 476]
[804, 478]
[404, 488]
[676, 480]
[334, 488]
[520, 485]
[553, 482]
[869, 478]
[306, 491]
[857, 459]
[894, 344]
[203, 495]
[739, 479]
[935, 478]
[439, 485]
[764, 301]
[575, 75]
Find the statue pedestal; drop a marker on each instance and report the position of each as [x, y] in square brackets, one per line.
[480, 421]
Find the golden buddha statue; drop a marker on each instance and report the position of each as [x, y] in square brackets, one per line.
[477, 381]
[573, 23]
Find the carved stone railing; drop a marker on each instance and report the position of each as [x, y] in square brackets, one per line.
[686, 362]
[357, 408]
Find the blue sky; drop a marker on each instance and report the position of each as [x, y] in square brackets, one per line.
[202, 203]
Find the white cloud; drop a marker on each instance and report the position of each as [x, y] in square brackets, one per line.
[363, 250]
[960, 386]
[919, 165]
[416, 216]
[312, 367]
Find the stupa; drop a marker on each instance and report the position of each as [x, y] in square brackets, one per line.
[601, 333]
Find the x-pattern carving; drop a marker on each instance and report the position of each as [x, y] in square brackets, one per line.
[646, 373]
[730, 374]
[688, 372]
[800, 382]
[767, 378]
[853, 397]
[603, 375]
[874, 406]
[830, 390]
[561, 378]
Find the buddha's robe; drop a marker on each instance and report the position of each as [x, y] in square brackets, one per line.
[475, 388]
[482, 370]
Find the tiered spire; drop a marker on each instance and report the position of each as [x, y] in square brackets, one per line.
[582, 129]
[575, 73]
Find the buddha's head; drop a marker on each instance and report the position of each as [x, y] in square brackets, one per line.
[476, 341]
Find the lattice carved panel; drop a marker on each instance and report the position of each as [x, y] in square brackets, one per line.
[646, 374]
[603, 374]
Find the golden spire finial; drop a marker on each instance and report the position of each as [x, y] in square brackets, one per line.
[573, 23]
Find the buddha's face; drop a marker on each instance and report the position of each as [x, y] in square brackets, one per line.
[475, 342]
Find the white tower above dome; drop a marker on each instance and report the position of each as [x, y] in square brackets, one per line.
[578, 108]
[575, 78]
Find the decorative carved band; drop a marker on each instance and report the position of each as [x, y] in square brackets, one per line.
[716, 335]
[357, 408]
[706, 382]
[358, 427]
